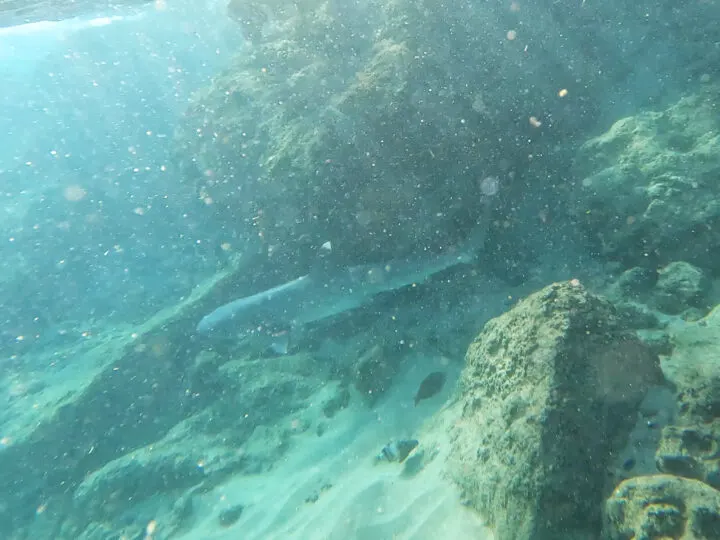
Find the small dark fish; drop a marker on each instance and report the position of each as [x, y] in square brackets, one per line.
[430, 386]
[396, 451]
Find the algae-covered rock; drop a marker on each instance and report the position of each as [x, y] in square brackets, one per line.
[637, 316]
[701, 402]
[662, 507]
[691, 448]
[634, 283]
[648, 189]
[680, 286]
[692, 452]
[374, 124]
[695, 360]
[549, 390]
[339, 400]
[123, 487]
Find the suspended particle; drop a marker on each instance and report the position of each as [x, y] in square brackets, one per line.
[534, 122]
[489, 186]
[74, 193]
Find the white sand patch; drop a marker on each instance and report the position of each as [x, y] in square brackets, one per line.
[354, 498]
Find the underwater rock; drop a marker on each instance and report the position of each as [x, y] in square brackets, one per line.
[637, 316]
[680, 286]
[691, 452]
[648, 194]
[701, 402]
[430, 386]
[658, 341]
[396, 451]
[662, 507]
[695, 359]
[550, 390]
[258, 405]
[635, 283]
[316, 136]
[143, 475]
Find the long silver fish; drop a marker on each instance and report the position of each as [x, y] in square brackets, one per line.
[311, 297]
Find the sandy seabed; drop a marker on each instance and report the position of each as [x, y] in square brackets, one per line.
[331, 487]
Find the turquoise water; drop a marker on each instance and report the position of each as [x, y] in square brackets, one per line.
[251, 252]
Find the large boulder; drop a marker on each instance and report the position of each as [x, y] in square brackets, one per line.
[662, 507]
[550, 389]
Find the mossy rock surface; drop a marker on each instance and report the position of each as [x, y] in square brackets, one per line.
[662, 507]
[549, 391]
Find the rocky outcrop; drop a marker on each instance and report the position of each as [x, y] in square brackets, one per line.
[701, 402]
[647, 190]
[683, 503]
[662, 507]
[374, 124]
[681, 286]
[691, 452]
[550, 389]
[691, 447]
[694, 366]
[645, 296]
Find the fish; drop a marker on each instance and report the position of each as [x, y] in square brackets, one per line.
[396, 451]
[430, 386]
[319, 295]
